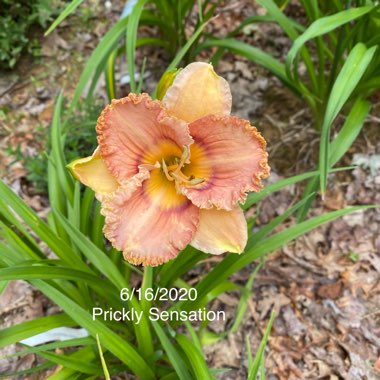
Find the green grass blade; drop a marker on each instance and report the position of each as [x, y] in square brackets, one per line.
[45, 272]
[350, 130]
[97, 257]
[254, 54]
[233, 263]
[268, 228]
[186, 260]
[102, 51]
[27, 329]
[289, 29]
[70, 8]
[349, 76]
[195, 358]
[110, 75]
[104, 364]
[280, 17]
[65, 180]
[178, 58]
[75, 342]
[105, 265]
[260, 352]
[76, 364]
[279, 185]
[63, 373]
[174, 357]
[57, 245]
[193, 334]
[322, 26]
[131, 41]
[338, 147]
[87, 202]
[243, 302]
[120, 347]
[17, 374]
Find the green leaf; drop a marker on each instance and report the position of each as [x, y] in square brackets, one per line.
[57, 245]
[70, 8]
[243, 302]
[254, 54]
[66, 182]
[195, 357]
[65, 373]
[16, 374]
[76, 342]
[268, 228]
[39, 271]
[77, 364]
[290, 30]
[174, 357]
[350, 130]
[277, 186]
[102, 51]
[104, 364]
[280, 17]
[120, 347]
[97, 257]
[178, 58]
[233, 263]
[186, 260]
[109, 74]
[338, 147]
[27, 329]
[254, 369]
[349, 76]
[131, 40]
[322, 26]
[105, 265]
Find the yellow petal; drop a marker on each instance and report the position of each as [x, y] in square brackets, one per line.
[221, 231]
[93, 172]
[198, 91]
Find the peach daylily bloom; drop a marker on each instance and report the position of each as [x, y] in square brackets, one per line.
[171, 173]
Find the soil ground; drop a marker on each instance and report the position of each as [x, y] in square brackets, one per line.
[325, 286]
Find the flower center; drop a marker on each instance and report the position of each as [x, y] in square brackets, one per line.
[173, 171]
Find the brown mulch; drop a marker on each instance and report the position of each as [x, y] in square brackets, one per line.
[325, 286]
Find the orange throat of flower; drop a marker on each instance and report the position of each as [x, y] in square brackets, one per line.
[173, 170]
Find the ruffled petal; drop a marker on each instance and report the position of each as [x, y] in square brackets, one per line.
[221, 231]
[198, 91]
[230, 156]
[148, 220]
[136, 130]
[93, 172]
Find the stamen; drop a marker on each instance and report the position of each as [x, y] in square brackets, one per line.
[195, 181]
[165, 169]
[192, 181]
[173, 172]
[185, 156]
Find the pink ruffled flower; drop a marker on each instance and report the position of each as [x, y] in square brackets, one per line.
[171, 173]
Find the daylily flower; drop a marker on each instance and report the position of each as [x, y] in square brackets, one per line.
[171, 173]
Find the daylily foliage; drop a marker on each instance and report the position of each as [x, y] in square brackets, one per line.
[171, 173]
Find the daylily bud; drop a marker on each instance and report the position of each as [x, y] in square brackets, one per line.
[198, 91]
[166, 81]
